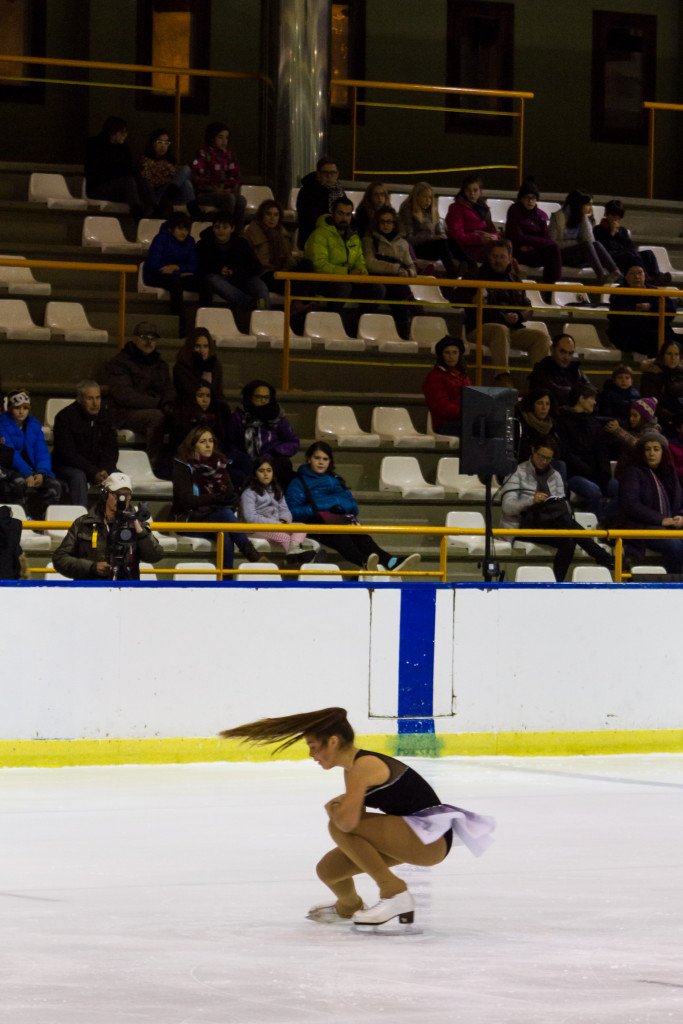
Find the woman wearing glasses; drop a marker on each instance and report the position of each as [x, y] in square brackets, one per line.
[387, 252]
[161, 180]
[259, 427]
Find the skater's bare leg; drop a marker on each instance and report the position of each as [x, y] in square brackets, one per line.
[381, 841]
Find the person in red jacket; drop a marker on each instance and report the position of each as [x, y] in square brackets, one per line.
[469, 220]
[443, 385]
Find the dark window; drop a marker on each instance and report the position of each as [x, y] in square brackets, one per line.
[22, 31]
[624, 56]
[347, 57]
[173, 33]
[480, 56]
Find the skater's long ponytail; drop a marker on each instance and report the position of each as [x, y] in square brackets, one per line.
[322, 724]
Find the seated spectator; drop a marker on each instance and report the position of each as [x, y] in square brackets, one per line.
[216, 177]
[259, 427]
[271, 244]
[534, 497]
[375, 198]
[642, 420]
[263, 501]
[442, 387]
[663, 380]
[161, 180]
[140, 389]
[572, 228]
[583, 447]
[319, 495]
[12, 483]
[387, 252]
[527, 228]
[203, 491]
[420, 222]
[676, 444]
[638, 333]
[229, 268]
[203, 409]
[11, 555]
[335, 248]
[31, 459]
[503, 327]
[172, 263]
[318, 192]
[469, 220]
[559, 372]
[616, 240]
[89, 552]
[85, 447]
[650, 499]
[109, 168]
[197, 363]
[618, 395]
[538, 423]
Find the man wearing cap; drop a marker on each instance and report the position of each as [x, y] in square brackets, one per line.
[84, 554]
[140, 388]
[85, 446]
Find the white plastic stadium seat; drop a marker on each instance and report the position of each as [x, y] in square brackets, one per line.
[499, 210]
[55, 577]
[197, 227]
[20, 280]
[454, 482]
[136, 465]
[354, 196]
[339, 423]
[104, 204]
[149, 575]
[591, 574]
[105, 233]
[148, 229]
[402, 473]
[430, 294]
[444, 203]
[52, 407]
[662, 256]
[62, 514]
[452, 440]
[534, 574]
[69, 319]
[547, 311]
[396, 426]
[589, 346]
[53, 190]
[255, 195]
[30, 540]
[331, 573]
[549, 208]
[167, 541]
[636, 570]
[328, 328]
[269, 325]
[380, 330]
[195, 576]
[16, 322]
[427, 330]
[255, 572]
[474, 545]
[224, 330]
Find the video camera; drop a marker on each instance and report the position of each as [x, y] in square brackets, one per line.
[123, 537]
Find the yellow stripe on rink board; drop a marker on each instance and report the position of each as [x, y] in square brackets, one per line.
[183, 750]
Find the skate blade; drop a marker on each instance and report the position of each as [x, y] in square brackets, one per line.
[392, 927]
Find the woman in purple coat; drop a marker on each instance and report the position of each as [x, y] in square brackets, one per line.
[527, 228]
[650, 499]
[259, 427]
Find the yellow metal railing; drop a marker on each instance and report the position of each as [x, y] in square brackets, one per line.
[653, 107]
[442, 532]
[115, 268]
[463, 284]
[176, 73]
[443, 90]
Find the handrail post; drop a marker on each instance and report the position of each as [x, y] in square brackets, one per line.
[651, 155]
[480, 334]
[354, 120]
[122, 310]
[520, 157]
[443, 558]
[661, 323]
[618, 559]
[176, 115]
[285, 335]
[220, 554]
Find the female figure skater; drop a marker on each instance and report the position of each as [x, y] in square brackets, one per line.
[414, 828]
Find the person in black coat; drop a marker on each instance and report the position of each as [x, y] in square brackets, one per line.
[229, 268]
[109, 169]
[584, 449]
[559, 373]
[85, 446]
[10, 545]
[638, 333]
[318, 191]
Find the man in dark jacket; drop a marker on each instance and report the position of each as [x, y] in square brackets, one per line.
[318, 191]
[504, 327]
[228, 267]
[583, 447]
[85, 446]
[559, 373]
[10, 545]
[142, 395]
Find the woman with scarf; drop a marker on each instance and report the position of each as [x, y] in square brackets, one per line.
[259, 427]
[469, 220]
[650, 499]
[203, 491]
[387, 252]
[538, 421]
[271, 243]
[197, 363]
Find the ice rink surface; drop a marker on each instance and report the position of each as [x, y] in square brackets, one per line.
[178, 894]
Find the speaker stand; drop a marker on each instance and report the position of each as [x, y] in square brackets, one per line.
[491, 569]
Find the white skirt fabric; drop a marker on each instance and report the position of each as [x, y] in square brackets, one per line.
[469, 829]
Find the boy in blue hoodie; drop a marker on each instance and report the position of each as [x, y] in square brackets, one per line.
[172, 263]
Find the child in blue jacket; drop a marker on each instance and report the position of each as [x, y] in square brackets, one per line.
[172, 263]
[24, 434]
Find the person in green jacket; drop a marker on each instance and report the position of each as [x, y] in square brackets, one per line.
[335, 248]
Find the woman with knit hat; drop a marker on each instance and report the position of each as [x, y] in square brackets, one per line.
[650, 498]
[443, 386]
[527, 228]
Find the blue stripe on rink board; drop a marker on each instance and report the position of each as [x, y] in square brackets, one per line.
[416, 660]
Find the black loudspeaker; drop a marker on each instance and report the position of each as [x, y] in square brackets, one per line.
[488, 439]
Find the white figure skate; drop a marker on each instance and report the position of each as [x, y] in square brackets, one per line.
[326, 913]
[382, 917]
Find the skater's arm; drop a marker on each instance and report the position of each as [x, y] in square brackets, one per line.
[346, 811]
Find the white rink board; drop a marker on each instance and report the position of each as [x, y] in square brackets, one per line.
[143, 662]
